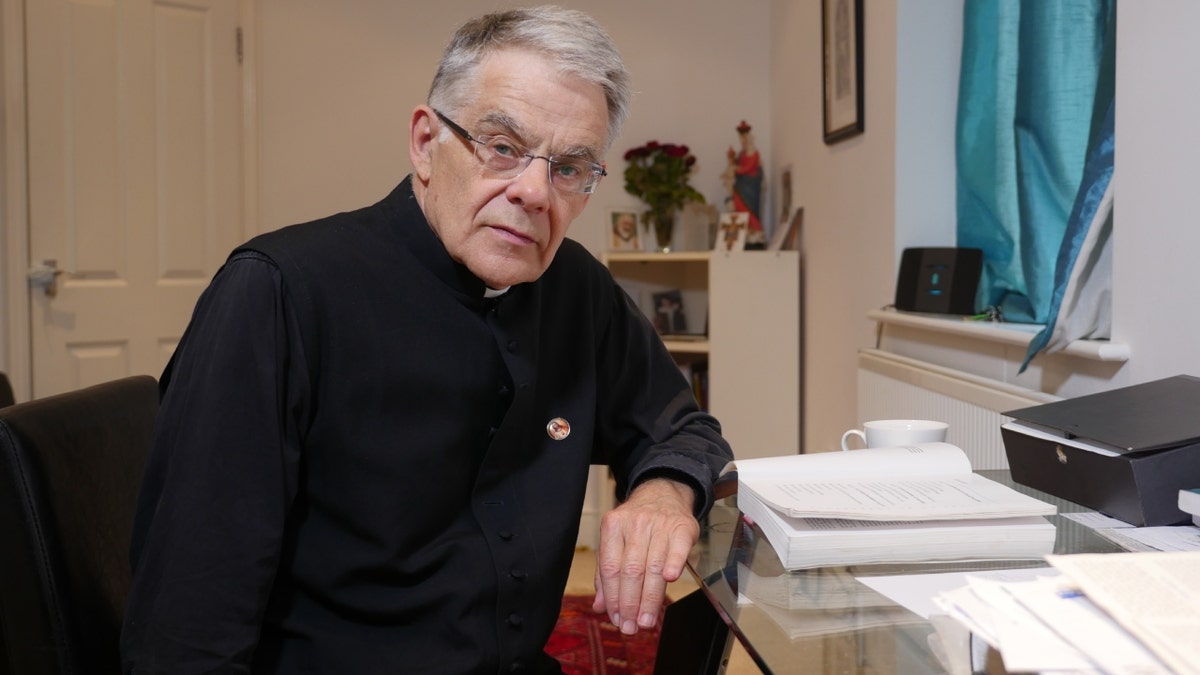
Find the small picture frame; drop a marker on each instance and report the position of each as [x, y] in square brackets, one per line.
[785, 197]
[787, 235]
[731, 231]
[669, 318]
[623, 230]
[842, 42]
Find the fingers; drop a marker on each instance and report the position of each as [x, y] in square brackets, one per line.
[610, 562]
[598, 604]
[646, 594]
[643, 546]
[624, 566]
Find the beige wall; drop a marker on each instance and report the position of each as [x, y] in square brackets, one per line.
[338, 81]
[848, 194]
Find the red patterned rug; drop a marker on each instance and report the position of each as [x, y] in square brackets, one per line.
[586, 643]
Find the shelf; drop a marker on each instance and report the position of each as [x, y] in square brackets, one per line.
[1017, 334]
[674, 256]
[686, 346]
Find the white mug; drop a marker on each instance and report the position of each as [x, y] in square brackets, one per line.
[884, 433]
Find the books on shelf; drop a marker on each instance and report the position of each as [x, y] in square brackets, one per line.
[899, 504]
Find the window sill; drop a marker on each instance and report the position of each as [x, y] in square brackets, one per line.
[1017, 334]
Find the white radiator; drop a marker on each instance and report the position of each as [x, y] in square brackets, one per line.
[898, 387]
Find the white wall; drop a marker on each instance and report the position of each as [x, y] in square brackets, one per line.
[338, 81]
[848, 192]
[928, 41]
[1156, 233]
[858, 220]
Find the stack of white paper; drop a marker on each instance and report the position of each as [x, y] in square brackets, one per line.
[1122, 613]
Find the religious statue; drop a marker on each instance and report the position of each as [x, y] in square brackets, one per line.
[744, 178]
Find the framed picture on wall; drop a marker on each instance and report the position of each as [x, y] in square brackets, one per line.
[623, 230]
[842, 42]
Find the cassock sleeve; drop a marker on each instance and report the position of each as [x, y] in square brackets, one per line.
[650, 422]
[219, 481]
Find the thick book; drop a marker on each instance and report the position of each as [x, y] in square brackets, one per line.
[930, 481]
[903, 504]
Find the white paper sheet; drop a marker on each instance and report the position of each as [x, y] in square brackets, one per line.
[1027, 644]
[1096, 520]
[1167, 538]
[1035, 432]
[1087, 628]
[916, 591]
[1152, 595]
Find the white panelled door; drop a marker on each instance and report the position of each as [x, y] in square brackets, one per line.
[135, 178]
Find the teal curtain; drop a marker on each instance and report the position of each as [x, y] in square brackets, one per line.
[1081, 306]
[1032, 71]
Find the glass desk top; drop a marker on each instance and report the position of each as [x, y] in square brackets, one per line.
[822, 620]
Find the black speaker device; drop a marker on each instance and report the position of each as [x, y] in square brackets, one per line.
[939, 280]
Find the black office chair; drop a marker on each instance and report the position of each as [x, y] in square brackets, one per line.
[6, 399]
[6, 392]
[70, 468]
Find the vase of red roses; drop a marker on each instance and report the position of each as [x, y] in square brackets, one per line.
[659, 175]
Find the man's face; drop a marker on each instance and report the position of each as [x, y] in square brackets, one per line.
[507, 230]
[625, 224]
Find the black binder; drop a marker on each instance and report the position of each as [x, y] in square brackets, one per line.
[1153, 427]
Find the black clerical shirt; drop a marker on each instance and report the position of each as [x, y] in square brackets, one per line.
[353, 470]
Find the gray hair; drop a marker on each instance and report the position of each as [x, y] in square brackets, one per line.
[569, 38]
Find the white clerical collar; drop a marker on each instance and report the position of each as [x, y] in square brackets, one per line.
[494, 292]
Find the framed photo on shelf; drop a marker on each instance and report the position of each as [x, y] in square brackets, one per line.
[842, 42]
[787, 235]
[785, 197]
[731, 231]
[669, 318]
[623, 230]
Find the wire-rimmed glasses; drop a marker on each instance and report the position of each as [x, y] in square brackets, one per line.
[506, 159]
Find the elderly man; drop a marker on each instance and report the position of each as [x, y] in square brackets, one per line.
[375, 434]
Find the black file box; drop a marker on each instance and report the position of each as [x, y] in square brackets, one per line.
[1155, 429]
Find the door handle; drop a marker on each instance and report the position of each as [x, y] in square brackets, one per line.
[45, 276]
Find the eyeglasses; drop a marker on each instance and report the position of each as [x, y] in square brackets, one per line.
[506, 159]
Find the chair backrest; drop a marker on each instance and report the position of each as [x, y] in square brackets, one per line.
[6, 399]
[6, 392]
[70, 469]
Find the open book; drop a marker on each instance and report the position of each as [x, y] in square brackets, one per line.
[900, 504]
[911, 482]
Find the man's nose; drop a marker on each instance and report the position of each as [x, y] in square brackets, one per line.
[532, 186]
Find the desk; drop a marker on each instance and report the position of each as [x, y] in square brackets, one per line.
[850, 634]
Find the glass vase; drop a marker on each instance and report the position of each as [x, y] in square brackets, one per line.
[664, 229]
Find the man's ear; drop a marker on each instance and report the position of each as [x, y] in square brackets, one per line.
[421, 142]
